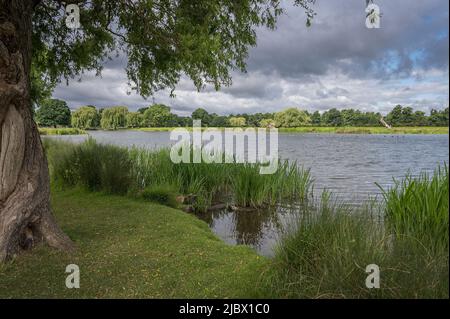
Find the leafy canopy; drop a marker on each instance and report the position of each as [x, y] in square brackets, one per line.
[158, 115]
[162, 40]
[114, 118]
[86, 117]
[53, 112]
[292, 117]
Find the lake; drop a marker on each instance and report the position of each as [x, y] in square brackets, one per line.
[347, 165]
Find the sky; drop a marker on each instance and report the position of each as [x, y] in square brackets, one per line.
[337, 62]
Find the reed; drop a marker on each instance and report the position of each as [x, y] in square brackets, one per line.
[418, 207]
[325, 252]
[61, 131]
[116, 170]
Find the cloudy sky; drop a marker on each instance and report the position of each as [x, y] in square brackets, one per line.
[337, 62]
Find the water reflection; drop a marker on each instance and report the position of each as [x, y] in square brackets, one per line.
[259, 229]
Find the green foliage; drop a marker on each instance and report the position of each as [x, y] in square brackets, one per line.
[237, 121]
[86, 117]
[267, 123]
[60, 131]
[158, 115]
[134, 119]
[203, 115]
[332, 117]
[93, 166]
[135, 170]
[162, 194]
[41, 85]
[316, 118]
[405, 116]
[219, 121]
[324, 255]
[114, 118]
[251, 189]
[203, 40]
[417, 207]
[53, 112]
[292, 117]
[439, 118]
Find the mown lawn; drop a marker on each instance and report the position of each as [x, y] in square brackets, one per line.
[132, 249]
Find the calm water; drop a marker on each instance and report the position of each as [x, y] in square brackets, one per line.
[347, 165]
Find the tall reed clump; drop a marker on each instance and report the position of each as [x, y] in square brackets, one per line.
[252, 189]
[325, 253]
[96, 167]
[418, 208]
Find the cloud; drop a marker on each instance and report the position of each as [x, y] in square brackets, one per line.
[337, 62]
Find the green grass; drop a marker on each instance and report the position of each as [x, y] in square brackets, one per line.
[60, 131]
[339, 130]
[367, 130]
[324, 255]
[162, 194]
[128, 248]
[418, 208]
[116, 170]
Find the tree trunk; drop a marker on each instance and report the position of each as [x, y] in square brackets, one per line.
[25, 214]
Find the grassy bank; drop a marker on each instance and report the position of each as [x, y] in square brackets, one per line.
[131, 249]
[60, 131]
[368, 130]
[340, 130]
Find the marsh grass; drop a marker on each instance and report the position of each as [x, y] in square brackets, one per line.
[116, 170]
[60, 131]
[417, 207]
[325, 253]
[94, 166]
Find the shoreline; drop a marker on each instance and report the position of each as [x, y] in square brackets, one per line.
[429, 130]
[413, 130]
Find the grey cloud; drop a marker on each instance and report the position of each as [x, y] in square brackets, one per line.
[335, 63]
[339, 39]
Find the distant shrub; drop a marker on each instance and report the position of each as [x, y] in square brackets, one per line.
[86, 117]
[53, 112]
[114, 118]
[237, 121]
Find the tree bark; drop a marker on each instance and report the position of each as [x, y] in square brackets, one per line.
[25, 213]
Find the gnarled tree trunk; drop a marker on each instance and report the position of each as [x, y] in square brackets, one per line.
[25, 214]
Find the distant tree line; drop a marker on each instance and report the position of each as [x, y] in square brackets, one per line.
[54, 112]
